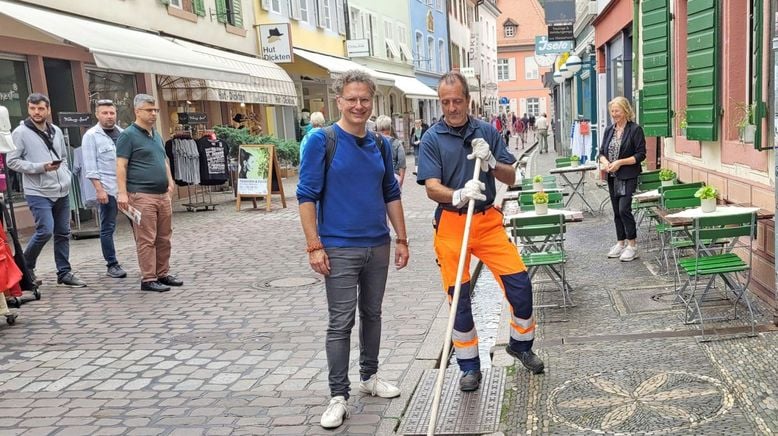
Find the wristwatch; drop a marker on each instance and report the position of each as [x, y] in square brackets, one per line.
[403, 241]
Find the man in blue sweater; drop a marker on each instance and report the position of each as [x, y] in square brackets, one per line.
[344, 202]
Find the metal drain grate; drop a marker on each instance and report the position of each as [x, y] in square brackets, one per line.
[652, 299]
[460, 412]
[286, 282]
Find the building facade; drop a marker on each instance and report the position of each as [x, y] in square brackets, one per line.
[429, 39]
[704, 81]
[519, 77]
[80, 52]
[484, 55]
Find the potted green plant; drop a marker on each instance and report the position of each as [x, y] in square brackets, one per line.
[574, 160]
[682, 124]
[666, 176]
[537, 183]
[707, 195]
[540, 200]
[746, 127]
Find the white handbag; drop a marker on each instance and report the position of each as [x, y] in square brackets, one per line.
[6, 142]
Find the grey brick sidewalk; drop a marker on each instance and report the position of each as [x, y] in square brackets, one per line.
[625, 363]
[238, 350]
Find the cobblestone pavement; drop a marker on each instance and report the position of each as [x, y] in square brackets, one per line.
[239, 349]
[625, 363]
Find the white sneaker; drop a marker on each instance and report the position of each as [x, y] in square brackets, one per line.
[615, 251]
[629, 254]
[379, 388]
[335, 413]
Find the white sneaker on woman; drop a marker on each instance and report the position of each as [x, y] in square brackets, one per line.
[335, 413]
[629, 254]
[615, 251]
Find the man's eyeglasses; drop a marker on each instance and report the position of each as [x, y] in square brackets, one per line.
[352, 101]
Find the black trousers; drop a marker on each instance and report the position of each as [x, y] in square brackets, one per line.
[622, 209]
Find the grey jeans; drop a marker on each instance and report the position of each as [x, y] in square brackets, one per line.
[357, 279]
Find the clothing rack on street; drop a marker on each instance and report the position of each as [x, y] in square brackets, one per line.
[193, 160]
[76, 119]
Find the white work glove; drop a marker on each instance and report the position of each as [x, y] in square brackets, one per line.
[482, 151]
[473, 190]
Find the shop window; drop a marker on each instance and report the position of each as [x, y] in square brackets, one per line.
[14, 89]
[117, 87]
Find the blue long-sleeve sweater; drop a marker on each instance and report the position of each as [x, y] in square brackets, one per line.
[351, 203]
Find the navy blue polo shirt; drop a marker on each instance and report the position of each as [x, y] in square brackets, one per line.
[443, 155]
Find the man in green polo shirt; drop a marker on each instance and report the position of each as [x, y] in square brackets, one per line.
[145, 183]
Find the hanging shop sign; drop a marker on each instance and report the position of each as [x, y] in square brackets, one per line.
[560, 32]
[543, 46]
[74, 119]
[192, 118]
[259, 174]
[559, 11]
[276, 42]
[357, 48]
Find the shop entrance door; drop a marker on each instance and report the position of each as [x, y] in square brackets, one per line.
[59, 78]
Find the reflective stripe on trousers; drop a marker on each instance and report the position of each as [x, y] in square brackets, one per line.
[489, 242]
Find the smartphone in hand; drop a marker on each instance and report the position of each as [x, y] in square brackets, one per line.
[56, 162]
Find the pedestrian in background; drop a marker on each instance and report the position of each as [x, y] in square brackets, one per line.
[446, 170]
[623, 149]
[343, 208]
[384, 126]
[99, 151]
[317, 122]
[417, 131]
[145, 183]
[541, 124]
[42, 157]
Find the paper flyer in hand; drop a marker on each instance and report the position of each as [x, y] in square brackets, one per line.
[132, 213]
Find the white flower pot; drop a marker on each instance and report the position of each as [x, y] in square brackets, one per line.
[667, 183]
[541, 209]
[537, 186]
[708, 205]
[747, 134]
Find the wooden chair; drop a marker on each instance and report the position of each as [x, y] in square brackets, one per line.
[710, 262]
[541, 242]
[554, 201]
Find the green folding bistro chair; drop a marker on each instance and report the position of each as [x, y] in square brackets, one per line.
[541, 242]
[554, 201]
[562, 162]
[712, 260]
[548, 182]
[671, 238]
[647, 181]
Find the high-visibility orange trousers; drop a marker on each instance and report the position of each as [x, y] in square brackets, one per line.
[488, 242]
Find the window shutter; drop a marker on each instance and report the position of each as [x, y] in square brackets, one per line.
[522, 106]
[237, 13]
[320, 21]
[264, 3]
[294, 9]
[655, 98]
[341, 19]
[542, 106]
[221, 11]
[702, 95]
[165, 2]
[199, 7]
[760, 109]
[512, 69]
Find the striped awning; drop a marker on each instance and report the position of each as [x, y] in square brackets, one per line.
[268, 83]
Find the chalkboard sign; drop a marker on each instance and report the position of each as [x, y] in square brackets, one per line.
[258, 165]
[75, 119]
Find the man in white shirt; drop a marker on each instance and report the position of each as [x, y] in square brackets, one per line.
[541, 124]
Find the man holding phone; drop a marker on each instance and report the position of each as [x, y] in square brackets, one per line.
[41, 158]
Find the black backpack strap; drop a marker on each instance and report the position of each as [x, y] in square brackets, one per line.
[331, 144]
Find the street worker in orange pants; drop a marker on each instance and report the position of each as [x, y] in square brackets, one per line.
[446, 160]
